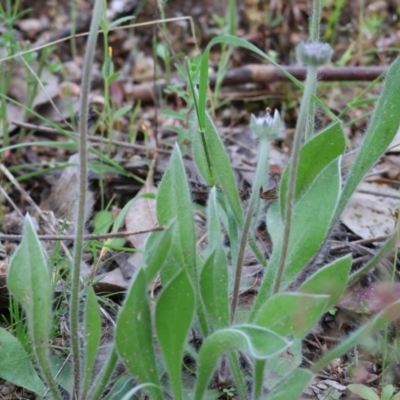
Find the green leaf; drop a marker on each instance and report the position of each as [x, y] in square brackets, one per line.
[92, 335]
[201, 155]
[315, 156]
[363, 391]
[122, 386]
[279, 366]
[387, 315]
[387, 392]
[174, 202]
[169, 270]
[134, 337]
[292, 313]
[220, 165]
[63, 371]
[214, 288]
[292, 387]
[275, 223]
[120, 21]
[179, 115]
[136, 389]
[111, 78]
[29, 282]
[381, 131]
[121, 112]
[314, 210]
[330, 280]
[213, 223]
[174, 313]
[16, 365]
[396, 396]
[102, 222]
[157, 248]
[257, 342]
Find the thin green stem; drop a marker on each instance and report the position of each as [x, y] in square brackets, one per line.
[260, 176]
[315, 24]
[315, 21]
[311, 114]
[42, 355]
[387, 246]
[301, 124]
[83, 173]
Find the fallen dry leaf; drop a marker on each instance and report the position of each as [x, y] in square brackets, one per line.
[63, 198]
[371, 215]
[141, 216]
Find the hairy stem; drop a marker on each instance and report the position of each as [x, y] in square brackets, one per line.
[301, 124]
[260, 176]
[82, 187]
[42, 354]
[315, 24]
[315, 20]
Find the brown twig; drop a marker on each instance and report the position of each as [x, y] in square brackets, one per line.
[95, 139]
[103, 236]
[263, 74]
[341, 246]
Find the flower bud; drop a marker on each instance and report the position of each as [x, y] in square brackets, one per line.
[267, 126]
[314, 53]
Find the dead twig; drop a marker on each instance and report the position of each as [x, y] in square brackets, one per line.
[95, 139]
[103, 236]
[263, 74]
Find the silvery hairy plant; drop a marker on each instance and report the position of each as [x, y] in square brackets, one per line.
[200, 291]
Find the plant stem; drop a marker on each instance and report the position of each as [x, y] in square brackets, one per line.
[301, 123]
[260, 176]
[83, 172]
[315, 24]
[42, 354]
[386, 248]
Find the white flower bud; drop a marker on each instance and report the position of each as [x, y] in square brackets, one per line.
[266, 126]
[314, 53]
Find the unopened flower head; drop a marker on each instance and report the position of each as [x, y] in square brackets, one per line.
[266, 126]
[314, 53]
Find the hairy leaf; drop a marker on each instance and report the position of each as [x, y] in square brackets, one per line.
[134, 338]
[174, 313]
